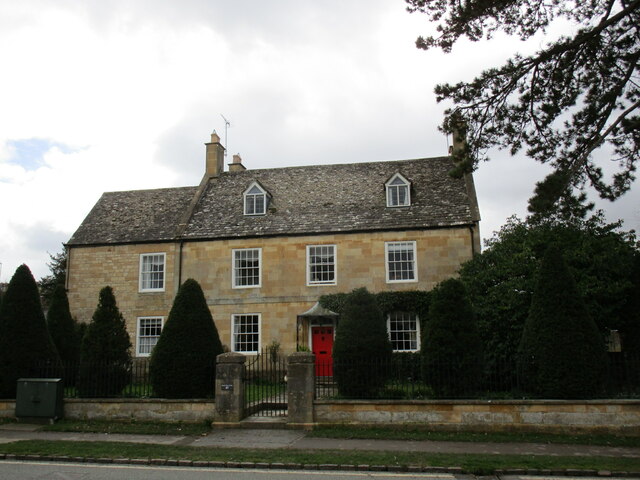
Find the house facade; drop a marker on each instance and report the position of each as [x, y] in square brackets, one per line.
[266, 244]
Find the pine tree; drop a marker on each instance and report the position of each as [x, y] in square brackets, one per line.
[451, 347]
[183, 361]
[562, 353]
[58, 268]
[557, 103]
[25, 343]
[105, 356]
[362, 351]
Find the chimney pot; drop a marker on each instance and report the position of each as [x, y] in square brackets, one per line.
[236, 165]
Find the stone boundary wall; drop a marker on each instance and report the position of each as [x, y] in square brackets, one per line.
[140, 409]
[157, 410]
[559, 416]
[7, 408]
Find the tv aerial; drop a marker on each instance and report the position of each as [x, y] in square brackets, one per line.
[227, 124]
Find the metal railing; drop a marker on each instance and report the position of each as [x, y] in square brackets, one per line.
[101, 380]
[265, 386]
[405, 377]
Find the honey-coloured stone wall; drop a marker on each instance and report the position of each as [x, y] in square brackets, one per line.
[92, 268]
[283, 294]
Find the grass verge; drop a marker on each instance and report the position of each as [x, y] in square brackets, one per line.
[408, 433]
[476, 464]
[137, 428]
[405, 433]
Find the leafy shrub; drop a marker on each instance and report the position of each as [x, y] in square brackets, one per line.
[562, 353]
[24, 340]
[183, 361]
[451, 348]
[361, 348]
[105, 356]
[500, 282]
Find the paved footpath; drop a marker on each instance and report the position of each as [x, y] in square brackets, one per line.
[298, 439]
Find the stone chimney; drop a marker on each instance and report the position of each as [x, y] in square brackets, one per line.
[236, 166]
[215, 156]
[459, 135]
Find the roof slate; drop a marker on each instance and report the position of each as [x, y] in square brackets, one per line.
[331, 199]
[134, 216]
[303, 200]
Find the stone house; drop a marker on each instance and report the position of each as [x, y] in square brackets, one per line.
[266, 244]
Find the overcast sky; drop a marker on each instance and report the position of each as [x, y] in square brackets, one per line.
[110, 95]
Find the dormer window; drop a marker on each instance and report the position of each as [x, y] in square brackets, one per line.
[255, 200]
[398, 191]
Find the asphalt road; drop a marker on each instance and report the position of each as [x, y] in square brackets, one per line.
[23, 470]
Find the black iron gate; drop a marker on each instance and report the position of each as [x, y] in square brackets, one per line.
[265, 385]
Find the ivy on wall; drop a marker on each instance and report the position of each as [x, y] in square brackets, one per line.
[414, 301]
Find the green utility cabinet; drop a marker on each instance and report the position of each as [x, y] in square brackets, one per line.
[39, 397]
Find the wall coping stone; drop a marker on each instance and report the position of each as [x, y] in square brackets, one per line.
[301, 357]
[231, 357]
[140, 400]
[478, 402]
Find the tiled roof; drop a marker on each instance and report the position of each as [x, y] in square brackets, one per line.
[134, 216]
[332, 198]
[303, 200]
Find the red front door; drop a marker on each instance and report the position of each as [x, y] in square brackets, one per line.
[322, 342]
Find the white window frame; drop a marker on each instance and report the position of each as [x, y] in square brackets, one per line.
[142, 273]
[234, 333]
[139, 336]
[412, 244]
[390, 188]
[311, 282]
[246, 196]
[417, 330]
[234, 277]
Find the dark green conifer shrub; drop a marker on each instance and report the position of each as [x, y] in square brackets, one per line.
[105, 356]
[183, 361]
[64, 333]
[561, 353]
[362, 351]
[25, 343]
[62, 326]
[451, 347]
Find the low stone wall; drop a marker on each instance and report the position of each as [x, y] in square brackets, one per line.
[7, 408]
[160, 410]
[141, 409]
[612, 416]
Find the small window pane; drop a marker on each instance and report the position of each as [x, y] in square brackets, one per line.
[152, 272]
[246, 268]
[404, 332]
[401, 261]
[397, 193]
[246, 333]
[149, 330]
[321, 264]
[255, 201]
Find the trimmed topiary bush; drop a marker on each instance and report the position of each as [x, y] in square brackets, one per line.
[105, 356]
[362, 351]
[64, 333]
[25, 343]
[183, 361]
[62, 326]
[561, 354]
[451, 347]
